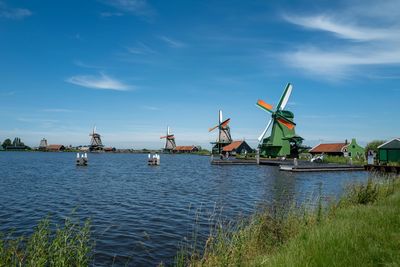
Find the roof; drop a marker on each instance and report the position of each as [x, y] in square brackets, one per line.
[328, 148]
[394, 143]
[184, 148]
[232, 146]
[54, 147]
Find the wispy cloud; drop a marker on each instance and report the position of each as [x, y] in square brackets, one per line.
[358, 42]
[13, 13]
[172, 42]
[85, 65]
[111, 14]
[140, 49]
[343, 30]
[151, 108]
[102, 82]
[58, 110]
[136, 7]
[10, 93]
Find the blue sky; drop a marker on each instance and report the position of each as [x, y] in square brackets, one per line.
[132, 67]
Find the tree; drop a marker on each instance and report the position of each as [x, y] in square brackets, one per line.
[6, 143]
[373, 145]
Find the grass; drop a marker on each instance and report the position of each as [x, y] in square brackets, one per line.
[48, 245]
[343, 160]
[361, 229]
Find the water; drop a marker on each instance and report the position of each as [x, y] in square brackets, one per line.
[141, 213]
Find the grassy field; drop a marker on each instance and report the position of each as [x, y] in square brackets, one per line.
[362, 229]
[49, 245]
[343, 160]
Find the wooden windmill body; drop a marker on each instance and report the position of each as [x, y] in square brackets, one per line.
[169, 142]
[224, 134]
[282, 141]
[95, 143]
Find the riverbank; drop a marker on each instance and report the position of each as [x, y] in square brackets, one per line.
[362, 229]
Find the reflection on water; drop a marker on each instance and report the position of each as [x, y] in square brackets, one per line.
[140, 213]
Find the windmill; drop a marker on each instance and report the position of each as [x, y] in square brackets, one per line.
[95, 142]
[283, 141]
[169, 141]
[224, 134]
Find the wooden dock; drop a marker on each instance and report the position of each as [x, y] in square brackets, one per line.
[234, 162]
[382, 168]
[288, 165]
[321, 168]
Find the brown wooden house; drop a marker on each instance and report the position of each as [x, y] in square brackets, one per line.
[237, 147]
[185, 149]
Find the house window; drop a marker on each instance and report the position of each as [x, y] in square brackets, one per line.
[349, 154]
[353, 146]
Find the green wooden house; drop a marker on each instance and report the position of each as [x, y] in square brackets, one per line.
[354, 150]
[389, 151]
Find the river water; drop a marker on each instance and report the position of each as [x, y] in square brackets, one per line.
[140, 214]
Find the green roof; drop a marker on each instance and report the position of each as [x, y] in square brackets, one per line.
[392, 144]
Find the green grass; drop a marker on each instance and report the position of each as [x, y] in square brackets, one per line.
[343, 160]
[362, 229]
[49, 245]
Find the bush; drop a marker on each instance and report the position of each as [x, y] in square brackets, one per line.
[66, 246]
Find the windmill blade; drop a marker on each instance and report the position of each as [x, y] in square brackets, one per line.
[264, 106]
[265, 130]
[288, 124]
[220, 117]
[168, 130]
[225, 123]
[213, 128]
[285, 97]
[162, 137]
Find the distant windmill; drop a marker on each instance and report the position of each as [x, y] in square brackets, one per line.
[283, 141]
[169, 141]
[224, 134]
[95, 143]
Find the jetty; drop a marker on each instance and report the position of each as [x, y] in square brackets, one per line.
[321, 168]
[291, 165]
[382, 168]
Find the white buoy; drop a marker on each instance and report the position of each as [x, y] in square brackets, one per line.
[85, 155]
[77, 155]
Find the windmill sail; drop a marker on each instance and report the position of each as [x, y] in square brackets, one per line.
[95, 142]
[169, 141]
[282, 140]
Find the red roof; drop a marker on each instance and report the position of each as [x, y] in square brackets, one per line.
[184, 148]
[232, 146]
[328, 148]
[55, 147]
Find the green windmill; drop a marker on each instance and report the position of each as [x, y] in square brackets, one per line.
[283, 141]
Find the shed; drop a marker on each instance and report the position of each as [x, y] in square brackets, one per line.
[389, 151]
[237, 147]
[185, 149]
[55, 148]
[333, 149]
[339, 149]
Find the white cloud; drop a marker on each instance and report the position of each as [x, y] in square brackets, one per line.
[360, 41]
[343, 30]
[151, 108]
[136, 7]
[140, 49]
[102, 82]
[13, 13]
[111, 14]
[171, 42]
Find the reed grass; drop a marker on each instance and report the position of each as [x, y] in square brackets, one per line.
[362, 227]
[48, 245]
